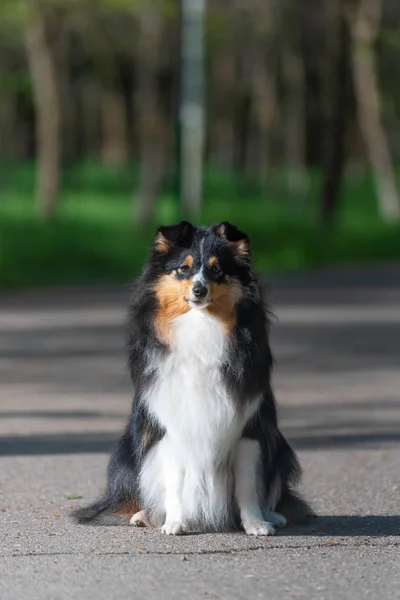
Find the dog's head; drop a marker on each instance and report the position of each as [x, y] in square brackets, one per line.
[200, 268]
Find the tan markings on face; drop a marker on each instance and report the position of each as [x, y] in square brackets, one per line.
[161, 243]
[224, 298]
[171, 294]
[213, 261]
[188, 261]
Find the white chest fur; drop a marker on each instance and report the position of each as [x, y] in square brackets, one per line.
[190, 399]
[202, 422]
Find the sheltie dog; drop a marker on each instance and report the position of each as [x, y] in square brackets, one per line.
[202, 450]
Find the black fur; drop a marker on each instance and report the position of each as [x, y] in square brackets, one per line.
[246, 368]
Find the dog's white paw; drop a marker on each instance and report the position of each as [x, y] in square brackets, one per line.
[139, 519]
[256, 527]
[276, 519]
[173, 528]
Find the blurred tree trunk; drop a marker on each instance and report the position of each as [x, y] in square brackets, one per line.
[114, 145]
[61, 44]
[261, 56]
[265, 110]
[192, 106]
[47, 110]
[241, 130]
[222, 121]
[335, 105]
[152, 124]
[294, 104]
[114, 126]
[363, 17]
[89, 117]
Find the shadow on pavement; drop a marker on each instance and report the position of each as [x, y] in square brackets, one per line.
[73, 443]
[366, 440]
[98, 441]
[348, 525]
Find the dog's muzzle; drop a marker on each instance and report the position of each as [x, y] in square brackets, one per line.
[199, 296]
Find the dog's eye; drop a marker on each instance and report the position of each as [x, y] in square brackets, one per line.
[215, 270]
[184, 269]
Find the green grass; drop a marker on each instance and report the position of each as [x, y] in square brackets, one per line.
[93, 240]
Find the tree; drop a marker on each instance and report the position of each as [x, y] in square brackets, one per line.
[102, 47]
[335, 106]
[42, 66]
[363, 18]
[294, 111]
[153, 129]
[192, 106]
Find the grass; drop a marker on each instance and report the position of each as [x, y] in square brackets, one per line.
[93, 240]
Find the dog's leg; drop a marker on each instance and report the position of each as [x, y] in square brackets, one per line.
[173, 481]
[269, 512]
[247, 486]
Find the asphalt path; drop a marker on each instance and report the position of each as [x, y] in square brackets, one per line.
[64, 398]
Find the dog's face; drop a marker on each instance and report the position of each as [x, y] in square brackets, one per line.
[199, 268]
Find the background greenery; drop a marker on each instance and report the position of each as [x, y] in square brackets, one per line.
[92, 238]
[301, 132]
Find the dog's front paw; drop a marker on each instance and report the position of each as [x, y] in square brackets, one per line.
[255, 527]
[173, 528]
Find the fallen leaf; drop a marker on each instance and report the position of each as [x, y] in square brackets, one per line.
[73, 497]
[55, 515]
[394, 488]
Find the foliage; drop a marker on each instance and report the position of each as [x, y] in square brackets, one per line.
[92, 240]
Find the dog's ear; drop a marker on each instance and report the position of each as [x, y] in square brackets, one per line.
[169, 236]
[238, 240]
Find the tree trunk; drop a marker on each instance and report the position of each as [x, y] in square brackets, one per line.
[222, 121]
[336, 84]
[114, 124]
[294, 113]
[363, 21]
[61, 48]
[192, 106]
[151, 121]
[241, 131]
[265, 111]
[89, 118]
[47, 109]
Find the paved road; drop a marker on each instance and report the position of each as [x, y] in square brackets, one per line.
[64, 395]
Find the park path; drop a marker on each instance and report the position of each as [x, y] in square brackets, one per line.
[64, 396]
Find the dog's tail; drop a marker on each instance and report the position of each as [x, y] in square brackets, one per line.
[292, 506]
[104, 507]
[88, 514]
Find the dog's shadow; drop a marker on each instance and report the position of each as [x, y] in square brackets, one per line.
[347, 525]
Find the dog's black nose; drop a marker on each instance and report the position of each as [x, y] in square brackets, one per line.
[199, 290]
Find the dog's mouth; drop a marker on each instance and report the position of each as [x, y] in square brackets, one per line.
[196, 303]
